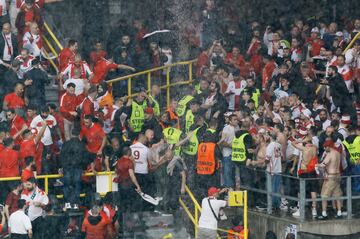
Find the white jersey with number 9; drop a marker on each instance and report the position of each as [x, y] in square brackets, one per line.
[140, 155]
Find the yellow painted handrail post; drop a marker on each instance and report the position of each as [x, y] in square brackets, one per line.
[351, 43]
[149, 82]
[110, 181]
[246, 230]
[190, 73]
[129, 87]
[168, 86]
[53, 36]
[46, 179]
[196, 215]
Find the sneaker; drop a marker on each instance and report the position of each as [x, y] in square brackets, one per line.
[322, 217]
[294, 209]
[58, 183]
[314, 212]
[261, 208]
[297, 213]
[76, 207]
[67, 206]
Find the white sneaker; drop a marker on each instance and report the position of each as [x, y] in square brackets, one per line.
[67, 206]
[297, 213]
[314, 212]
[76, 207]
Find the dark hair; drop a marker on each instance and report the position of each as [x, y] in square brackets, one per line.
[88, 117]
[44, 109]
[75, 132]
[29, 160]
[126, 151]
[32, 180]
[27, 131]
[71, 85]
[21, 203]
[32, 107]
[270, 235]
[71, 42]
[52, 106]
[213, 122]
[11, 111]
[8, 141]
[335, 123]
[279, 126]
[334, 68]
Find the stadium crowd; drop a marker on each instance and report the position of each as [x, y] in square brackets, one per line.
[284, 100]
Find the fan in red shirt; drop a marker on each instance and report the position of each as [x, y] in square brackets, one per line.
[96, 226]
[97, 54]
[9, 160]
[17, 126]
[87, 106]
[68, 105]
[12, 199]
[28, 171]
[103, 66]
[67, 54]
[58, 117]
[235, 59]
[202, 62]
[30, 143]
[15, 100]
[315, 43]
[268, 70]
[94, 134]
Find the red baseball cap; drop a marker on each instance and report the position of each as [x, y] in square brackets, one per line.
[212, 191]
[149, 110]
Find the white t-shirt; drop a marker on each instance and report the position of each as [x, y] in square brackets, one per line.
[207, 218]
[229, 132]
[236, 92]
[32, 43]
[79, 85]
[273, 155]
[19, 223]
[37, 195]
[140, 153]
[36, 124]
[8, 49]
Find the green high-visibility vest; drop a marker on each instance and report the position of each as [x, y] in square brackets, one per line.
[192, 146]
[189, 120]
[354, 150]
[172, 136]
[197, 88]
[239, 149]
[137, 116]
[255, 97]
[211, 130]
[180, 109]
[156, 106]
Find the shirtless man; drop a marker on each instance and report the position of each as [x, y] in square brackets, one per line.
[331, 186]
[281, 138]
[306, 169]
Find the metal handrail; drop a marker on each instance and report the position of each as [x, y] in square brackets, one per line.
[351, 42]
[53, 36]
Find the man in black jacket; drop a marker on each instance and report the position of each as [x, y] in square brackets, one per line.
[73, 157]
[8, 44]
[35, 90]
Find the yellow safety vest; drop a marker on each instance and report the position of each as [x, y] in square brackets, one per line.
[192, 146]
[189, 120]
[197, 88]
[180, 110]
[354, 150]
[172, 136]
[156, 106]
[255, 97]
[137, 116]
[239, 149]
[211, 131]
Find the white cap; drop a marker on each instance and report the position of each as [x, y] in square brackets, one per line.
[307, 113]
[315, 29]
[339, 34]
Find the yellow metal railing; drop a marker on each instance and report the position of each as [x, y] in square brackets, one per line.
[352, 42]
[148, 74]
[57, 176]
[50, 46]
[197, 209]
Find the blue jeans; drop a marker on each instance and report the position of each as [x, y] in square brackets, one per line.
[228, 172]
[72, 185]
[275, 187]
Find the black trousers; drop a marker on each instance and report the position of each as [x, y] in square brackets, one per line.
[19, 236]
[37, 228]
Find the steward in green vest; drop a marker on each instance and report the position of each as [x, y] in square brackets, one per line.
[253, 91]
[352, 146]
[182, 105]
[156, 107]
[239, 148]
[137, 116]
[194, 107]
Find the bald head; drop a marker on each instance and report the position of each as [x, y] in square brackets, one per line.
[34, 28]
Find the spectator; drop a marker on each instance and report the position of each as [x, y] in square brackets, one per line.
[87, 106]
[208, 221]
[36, 199]
[67, 54]
[79, 64]
[15, 100]
[26, 62]
[19, 223]
[72, 169]
[11, 203]
[35, 88]
[28, 14]
[17, 126]
[95, 225]
[97, 53]
[32, 40]
[8, 45]
[68, 106]
[9, 160]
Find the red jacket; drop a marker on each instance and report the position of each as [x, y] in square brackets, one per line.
[87, 107]
[101, 68]
[9, 163]
[65, 56]
[68, 103]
